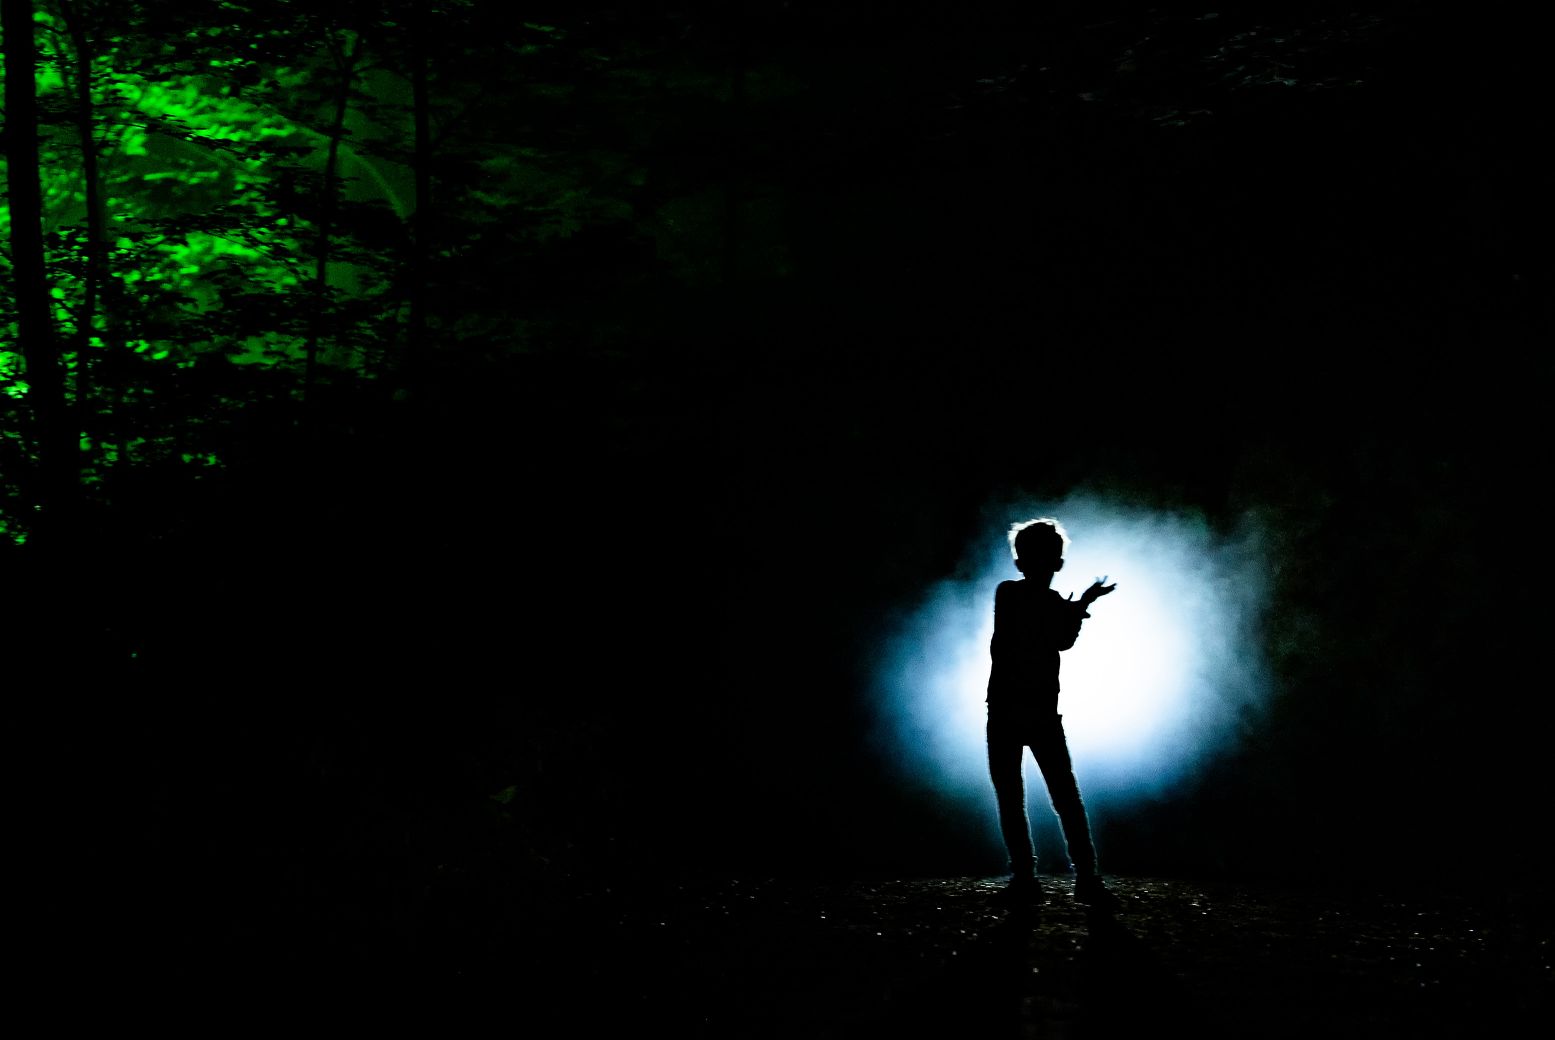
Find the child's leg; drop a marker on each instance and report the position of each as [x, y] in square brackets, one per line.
[1005, 752]
[1052, 752]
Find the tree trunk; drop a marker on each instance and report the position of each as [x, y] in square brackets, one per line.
[735, 145]
[421, 219]
[59, 465]
[86, 322]
[345, 64]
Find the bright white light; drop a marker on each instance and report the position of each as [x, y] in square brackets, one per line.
[1160, 677]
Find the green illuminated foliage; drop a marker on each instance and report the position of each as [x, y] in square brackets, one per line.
[262, 221]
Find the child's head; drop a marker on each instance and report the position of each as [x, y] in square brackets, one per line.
[1038, 544]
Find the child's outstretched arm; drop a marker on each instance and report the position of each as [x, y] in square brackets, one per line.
[1079, 610]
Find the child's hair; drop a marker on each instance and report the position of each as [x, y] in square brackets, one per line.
[1041, 538]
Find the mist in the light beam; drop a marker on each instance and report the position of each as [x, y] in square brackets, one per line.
[1166, 671]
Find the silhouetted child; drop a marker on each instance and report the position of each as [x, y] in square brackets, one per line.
[1032, 623]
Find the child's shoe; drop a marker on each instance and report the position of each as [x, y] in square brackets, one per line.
[1023, 890]
[1089, 888]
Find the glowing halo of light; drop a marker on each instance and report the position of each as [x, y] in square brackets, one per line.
[1164, 671]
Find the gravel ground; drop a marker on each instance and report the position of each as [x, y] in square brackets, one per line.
[771, 958]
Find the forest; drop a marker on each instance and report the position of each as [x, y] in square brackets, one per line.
[456, 455]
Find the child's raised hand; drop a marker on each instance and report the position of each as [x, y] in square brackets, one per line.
[1098, 589]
